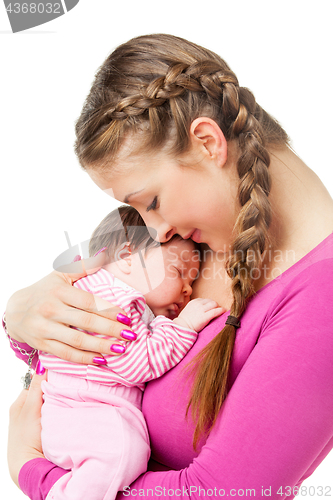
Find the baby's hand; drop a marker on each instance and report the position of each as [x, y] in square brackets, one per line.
[198, 313]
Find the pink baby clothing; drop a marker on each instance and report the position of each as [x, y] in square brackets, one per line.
[92, 424]
[276, 425]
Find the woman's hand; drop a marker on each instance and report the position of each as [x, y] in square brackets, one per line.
[24, 436]
[40, 316]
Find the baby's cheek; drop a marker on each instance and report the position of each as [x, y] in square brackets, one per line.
[155, 278]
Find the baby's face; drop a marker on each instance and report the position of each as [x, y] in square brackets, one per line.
[174, 280]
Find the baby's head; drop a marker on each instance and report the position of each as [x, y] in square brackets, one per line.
[164, 273]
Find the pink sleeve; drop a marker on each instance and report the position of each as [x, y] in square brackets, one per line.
[37, 477]
[276, 425]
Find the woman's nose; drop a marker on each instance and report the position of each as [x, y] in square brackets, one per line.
[161, 232]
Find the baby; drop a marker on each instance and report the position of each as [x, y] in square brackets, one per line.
[92, 422]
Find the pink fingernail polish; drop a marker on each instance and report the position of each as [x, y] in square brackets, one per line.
[40, 370]
[100, 251]
[99, 360]
[128, 335]
[124, 319]
[77, 258]
[117, 348]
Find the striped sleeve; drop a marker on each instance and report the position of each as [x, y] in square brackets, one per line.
[156, 350]
[167, 345]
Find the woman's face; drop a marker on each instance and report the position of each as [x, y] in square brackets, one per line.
[197, 201]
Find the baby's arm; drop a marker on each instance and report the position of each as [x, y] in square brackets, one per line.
[198, 313]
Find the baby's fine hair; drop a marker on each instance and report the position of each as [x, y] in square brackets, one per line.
[124, 225]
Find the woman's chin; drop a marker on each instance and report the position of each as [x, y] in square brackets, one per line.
[218, 246]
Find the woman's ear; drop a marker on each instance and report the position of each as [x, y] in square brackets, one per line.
[206, 135]
[124, 259]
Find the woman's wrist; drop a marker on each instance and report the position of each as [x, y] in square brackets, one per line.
[21, 350]
[18, 345]
[17, 467]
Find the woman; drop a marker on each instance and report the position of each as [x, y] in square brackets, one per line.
[167, 128]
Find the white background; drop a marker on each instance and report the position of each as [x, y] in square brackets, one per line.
[281, 50]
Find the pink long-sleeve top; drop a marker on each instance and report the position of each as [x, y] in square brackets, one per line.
[276, 425]
[159, 346]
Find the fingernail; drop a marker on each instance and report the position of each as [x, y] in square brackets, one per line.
[76, 258]
[100, 360]
[40, 370]
[100, 251]
[128, 335]
[117, 348]
[124, 319]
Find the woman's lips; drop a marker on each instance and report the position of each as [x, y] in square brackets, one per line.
[196, 236]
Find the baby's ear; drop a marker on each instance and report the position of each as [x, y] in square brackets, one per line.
[124, 258]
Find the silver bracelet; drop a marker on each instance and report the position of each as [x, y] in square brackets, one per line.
[28, 376]
[13, 342]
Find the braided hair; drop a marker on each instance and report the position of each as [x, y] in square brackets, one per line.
[154, 86]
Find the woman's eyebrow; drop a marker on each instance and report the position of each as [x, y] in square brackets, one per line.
[126, 199]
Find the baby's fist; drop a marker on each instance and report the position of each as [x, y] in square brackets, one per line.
[198, 313]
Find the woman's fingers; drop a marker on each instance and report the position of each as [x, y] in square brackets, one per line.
[93, 323]
[80, 355]
[43, 316]
[81, 268]
[84, 301]
[17, 406]
[34, 400]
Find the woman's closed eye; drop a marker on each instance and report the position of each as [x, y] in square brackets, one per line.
[153, 205]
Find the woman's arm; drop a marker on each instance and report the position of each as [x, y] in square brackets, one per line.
[40, 315]
[276, 425]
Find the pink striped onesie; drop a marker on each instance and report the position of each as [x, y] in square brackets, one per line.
[92, 424]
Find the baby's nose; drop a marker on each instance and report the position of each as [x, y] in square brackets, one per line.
[187, 290]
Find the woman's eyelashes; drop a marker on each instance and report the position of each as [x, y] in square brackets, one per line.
[153, 205]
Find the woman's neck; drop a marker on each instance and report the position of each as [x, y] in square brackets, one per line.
[302, 208]
[302, 217]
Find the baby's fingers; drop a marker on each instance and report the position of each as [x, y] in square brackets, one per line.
[209, 304]
[214, 313]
